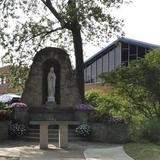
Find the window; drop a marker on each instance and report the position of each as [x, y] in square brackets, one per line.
[99, 69]
[19, 81]
[111, 60]
[133, 50]
[85, 75]
[105, 63]
[88, 74]
[4, 80]
[94, 73]
[141, 52]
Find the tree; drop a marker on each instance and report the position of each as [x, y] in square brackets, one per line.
[17, 76]
[27, 26]
[139, 83]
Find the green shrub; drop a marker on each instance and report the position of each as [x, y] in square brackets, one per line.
[92, 97]
[106, 104]
[2, 105]
[136, 128]
[151, 130]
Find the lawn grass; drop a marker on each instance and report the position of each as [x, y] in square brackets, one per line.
[143, 151]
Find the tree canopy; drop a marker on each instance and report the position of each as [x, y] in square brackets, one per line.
[27, 26]
[139, 84]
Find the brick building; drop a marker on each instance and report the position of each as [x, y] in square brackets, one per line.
[4, 83]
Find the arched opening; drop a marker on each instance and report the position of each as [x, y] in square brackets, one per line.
[46, 67]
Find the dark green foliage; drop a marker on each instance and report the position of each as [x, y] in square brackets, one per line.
[139, 84]
[109, 108]
[2, 105]
[106, 104]
[17, 76]
[136, 127]
[152, 130]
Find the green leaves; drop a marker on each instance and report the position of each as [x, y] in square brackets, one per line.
[109, 104]
[17, 76]
[139, 84]
[27, 23]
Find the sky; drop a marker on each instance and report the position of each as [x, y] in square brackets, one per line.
[141, 22]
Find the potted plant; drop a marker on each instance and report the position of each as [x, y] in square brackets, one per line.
[83, 131]
[19, 112]
[16, 129]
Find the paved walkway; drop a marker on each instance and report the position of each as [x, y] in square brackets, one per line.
[75, 151]
[113, 153]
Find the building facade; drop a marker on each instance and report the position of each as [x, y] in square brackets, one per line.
[121, 51]
[4, 82]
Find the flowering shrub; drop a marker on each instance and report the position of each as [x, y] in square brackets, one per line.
[4, 115]
[83, 130]
[18, 105]
[17, 129]
[85, 107]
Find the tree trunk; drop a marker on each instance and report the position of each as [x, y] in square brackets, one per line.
[78, 49]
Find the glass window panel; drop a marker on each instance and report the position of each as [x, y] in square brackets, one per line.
[124, 55]
[141, 52]
[93, 78]
[111, 60]
[99, 69]
[105, 63]
[133, 49]
[88, 74]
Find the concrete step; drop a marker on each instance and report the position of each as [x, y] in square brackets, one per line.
[53, 133]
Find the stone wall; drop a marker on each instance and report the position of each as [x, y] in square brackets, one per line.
[35, 92]
[116, 133]
[4, 130]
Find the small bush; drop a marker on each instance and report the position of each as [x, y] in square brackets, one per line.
[136, 127]
[2, 105]
[110, 104]
[83, 130]
[109, 107]
[151, 130]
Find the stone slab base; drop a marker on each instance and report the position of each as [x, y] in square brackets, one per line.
[54, 114]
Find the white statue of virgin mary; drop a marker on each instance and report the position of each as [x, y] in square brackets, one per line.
[51, 85]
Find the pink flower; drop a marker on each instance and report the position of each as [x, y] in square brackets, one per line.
[18, 104]
[85, 107]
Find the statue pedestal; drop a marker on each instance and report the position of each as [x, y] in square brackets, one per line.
[50, 105]
[51, 99]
